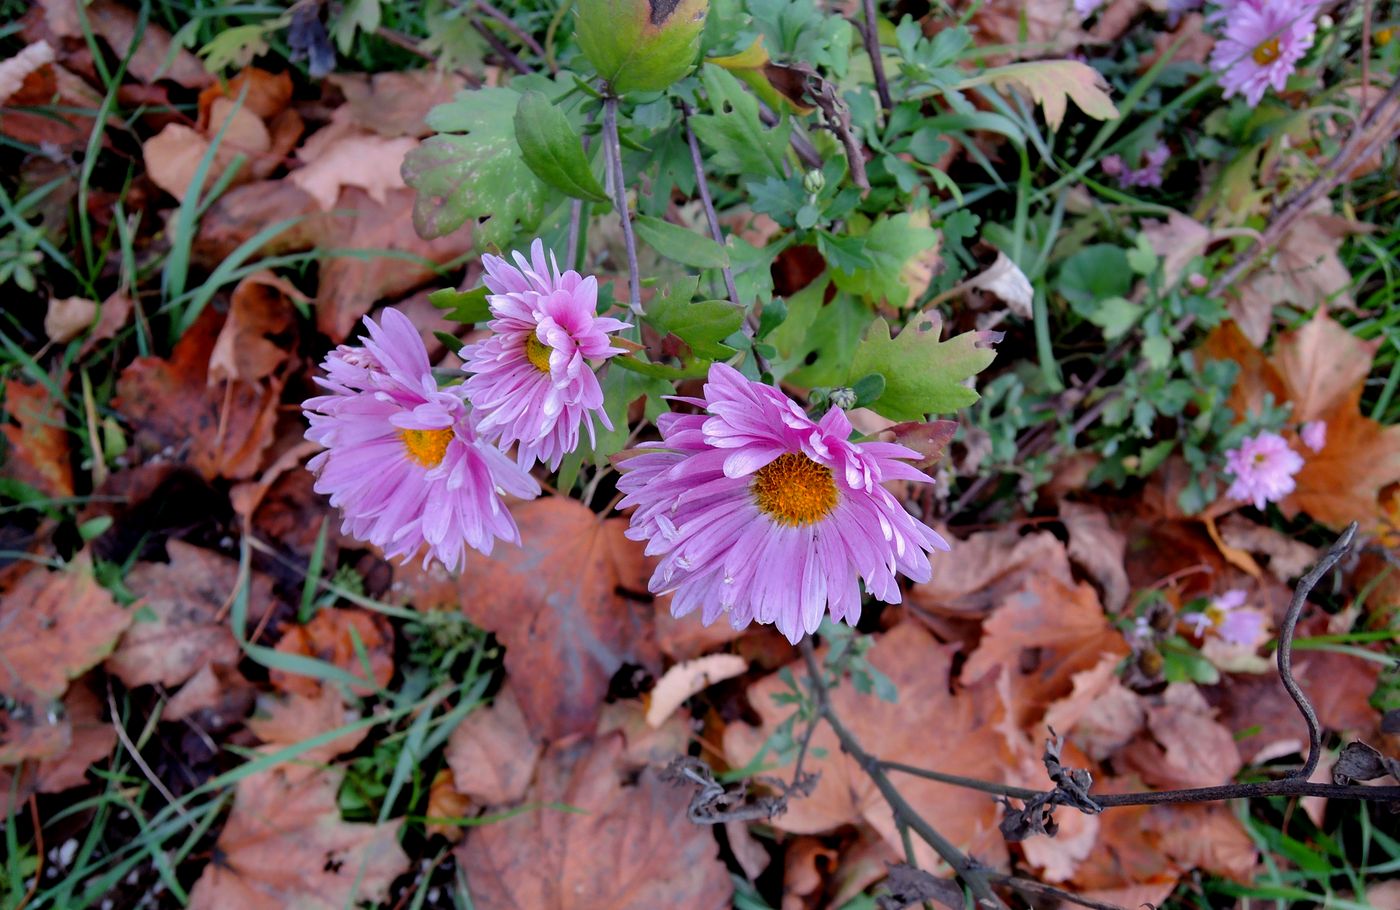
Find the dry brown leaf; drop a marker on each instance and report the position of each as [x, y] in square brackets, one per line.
[68, 317]
[630, 848]
[215, 698]
[112, 316]
[1037, 27]
[1320, 364]
[446, 803]
[748, 850]
[174, 155]
[1004, 280]
[1100, 714]
[37, 450]
[154, 56]
[927, 726]
[1127, 856]
[553, 602]
[264, 94]
[1288, 558]
[351, 158]
[282, 722]
[1099, 548]
[1042, 635]
[492, 753]
[644, 745]
[1207, 837]
[336, 636]
[221, 431]
[252, 344]
[682, 638]
[55, 626]
[285, 845]
[686, 679]
[394, 104]
[64, 121]
[1185, 746]
[179, 626]
[92, 740]
[982, 570]
[1305, 269]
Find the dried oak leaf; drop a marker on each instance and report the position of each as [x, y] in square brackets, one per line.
[492, 753]
[285, 845]
[1042, 634]
[554, 604]
[37, 444]
[220, 430]
[179, 629]
[55, 626]
[928, 726]
[337, 636]
[630, 848]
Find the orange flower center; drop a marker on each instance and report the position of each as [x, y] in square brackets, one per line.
[794, 490]
[427, 447]
[1267, 52]
[537, 353]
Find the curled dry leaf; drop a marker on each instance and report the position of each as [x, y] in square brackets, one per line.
[339, 637]
[629, 848]
[37, 450]
[554, 603]
[1099, 548]
[1004, 280]
[686, 679]
[285, 845]
[179, 628]
[55, 626]
[928, 726]
[251, 346]
[492, 753]
[67, 317]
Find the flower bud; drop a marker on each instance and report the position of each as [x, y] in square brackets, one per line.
[843, 398]
[641, 45]
[814, 181]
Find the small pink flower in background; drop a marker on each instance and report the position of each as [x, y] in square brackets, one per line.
[1086, 8]
[1262, 44]
[1231, 620]
[1263, 467]
[531, 384]
[759, 512]
[1314, 434]
[402, 460]
[1149, 174]
[1113, 165]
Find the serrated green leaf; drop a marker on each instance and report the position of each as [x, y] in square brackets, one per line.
[819, 338]
[923, 375]
[739, 143]
[620, 389]
[477, 172]
[702, 324]
[467, 307]
[680, 245]
[890, 245]
[553, 150]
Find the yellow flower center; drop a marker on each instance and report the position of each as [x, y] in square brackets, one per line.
[1215, 615]
[537, 353]
[1267, 52]
[794, 490]
[1383, 36]
[427, 447]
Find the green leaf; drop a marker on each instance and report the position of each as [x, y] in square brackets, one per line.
[738, 141]
[640, 45]
[478, 172]
[1157, 350]
[680, 245]
[1116, 316]
[620, 389]
[355, 16]
[923, 375]
[553, 150]
[819, 338]
[868, 388]
[701, 324]
[467, 307]
[890, 244]
[1093, 273]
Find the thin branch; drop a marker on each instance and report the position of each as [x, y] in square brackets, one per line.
[871, 33]
[140, 761]
[499, 46]
[509, 25]
[957, 780]
[1030, 886]
[612, 150]
[702, 185]
[966, 869]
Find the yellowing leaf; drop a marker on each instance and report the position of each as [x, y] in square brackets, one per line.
[1050, 83]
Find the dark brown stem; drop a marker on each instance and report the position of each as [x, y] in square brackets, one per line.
[966, 869]
[612, 150]
[499, 46]
[1030, 886]
[872, 47]
[509, 25]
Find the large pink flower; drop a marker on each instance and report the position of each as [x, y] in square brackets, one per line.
[1262, 44]
[531, 382]
[764, 514]
[1263, 467]
[403, 461]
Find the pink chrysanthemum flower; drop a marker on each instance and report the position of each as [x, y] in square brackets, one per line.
[1263, 42]
[1231, 620]
[1314, 434]
[762, 513]
[1263, 467]
[531, 384]
[403, 461]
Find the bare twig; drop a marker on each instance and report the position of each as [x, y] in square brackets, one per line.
[499, 46]
[702, 186]
[520, 34]
[965, 868]
[612, 150]
[1030, 886]
[140, 761]
[871, 33]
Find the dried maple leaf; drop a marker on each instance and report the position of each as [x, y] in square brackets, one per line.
[285, 845]
[331, 637]
[281, 722]
[1042, 635]
[555, 606]
[55, 626]
[77, 738]
[221, 430]
[629, 848]
[179, 628]
[492, 753]
[37, 450]
[928, 726]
